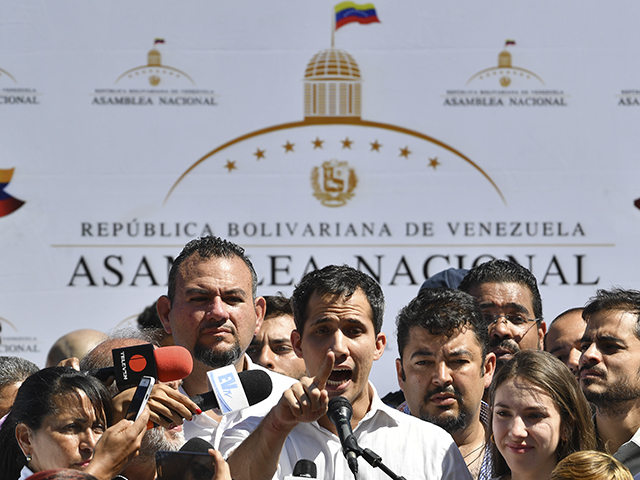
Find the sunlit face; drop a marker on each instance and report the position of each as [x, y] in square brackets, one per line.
[345, 327]
[66, 438]
[526, 427]
[563, 339]
[444, 377]
[272, 348]
[610, 361]
[7, 396]
[213, 313]
[509, 298]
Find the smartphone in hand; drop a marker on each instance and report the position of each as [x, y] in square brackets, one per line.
[140, 398]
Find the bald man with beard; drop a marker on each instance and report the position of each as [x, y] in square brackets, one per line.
[164, 398]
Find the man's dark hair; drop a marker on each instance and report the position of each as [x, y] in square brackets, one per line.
[615, 299]
[442, 311]
[277, 305]
[15, 370]
[210, 247]
[503, 271]
[341, 281]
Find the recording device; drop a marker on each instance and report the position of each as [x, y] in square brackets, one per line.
[184, 465]
[339, 413]
[303, 469]
[191, 458]
[166, 364]
[140, 398]
[256, 384]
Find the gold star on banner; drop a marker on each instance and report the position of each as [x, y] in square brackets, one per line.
[433, 162]
[404, 152]
[317, 143]
[375, 146]
[231, 165]
[346, 143]
[259, 154]
[288, 147]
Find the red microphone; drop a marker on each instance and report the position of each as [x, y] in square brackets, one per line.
[166, 364]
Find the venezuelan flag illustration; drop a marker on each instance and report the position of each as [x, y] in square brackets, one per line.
[8, 204]
[347, 12]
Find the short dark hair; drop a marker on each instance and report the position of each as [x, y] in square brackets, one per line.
[277, 305]
[615, 299]
[442, 311]
[338, 280]
[503, 271]
[210, 247]
[15, 370]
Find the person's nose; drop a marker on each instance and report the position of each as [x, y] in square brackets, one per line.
[339, 345]
[217, 309]
[590, 356]
[442, 374]
[501, 329]
[267, 358]
[517, 429]
[88, 440]
[573, 360]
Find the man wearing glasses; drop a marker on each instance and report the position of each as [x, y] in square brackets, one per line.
[510, 302]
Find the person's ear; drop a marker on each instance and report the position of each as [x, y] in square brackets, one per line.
[163, 306]
[296, 342]
[400, 373]
[381, 343]
[260, 306]
[489, 368]
[24, 438]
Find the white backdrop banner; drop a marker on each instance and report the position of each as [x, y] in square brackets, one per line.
[441, 135]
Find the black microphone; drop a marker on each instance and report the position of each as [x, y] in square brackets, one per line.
[303, 469]
[256, 384]
[339, 413]
[196, 445]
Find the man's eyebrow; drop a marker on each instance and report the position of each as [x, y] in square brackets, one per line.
[609, 338]
[460, 352]
[422, 352]
[511, 305]
[280, 341]
[197, 291]
[555, 350]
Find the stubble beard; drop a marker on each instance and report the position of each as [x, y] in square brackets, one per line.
[217, 359]
[450, 423]
[612, 400]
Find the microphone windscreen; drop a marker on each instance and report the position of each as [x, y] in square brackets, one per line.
[257, 385]
[305, 468]
[196, 445]
[337, 403]
[173, 363]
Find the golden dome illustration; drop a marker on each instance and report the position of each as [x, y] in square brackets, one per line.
[153, 58]
[332, 86]
[504, 59]
[332, 63]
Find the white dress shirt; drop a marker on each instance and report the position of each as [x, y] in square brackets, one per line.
[408, 446]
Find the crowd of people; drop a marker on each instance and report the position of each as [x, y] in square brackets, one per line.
[488, 390]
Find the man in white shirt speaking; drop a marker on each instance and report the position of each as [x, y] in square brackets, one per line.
[338, 313]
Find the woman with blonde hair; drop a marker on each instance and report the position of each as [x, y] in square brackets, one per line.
[590, 465]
